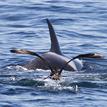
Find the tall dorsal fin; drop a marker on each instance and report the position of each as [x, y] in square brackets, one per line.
[54, 42]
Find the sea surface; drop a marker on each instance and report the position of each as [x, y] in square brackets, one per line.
[81, 27]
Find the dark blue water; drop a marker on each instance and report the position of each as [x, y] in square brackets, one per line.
[81, 27]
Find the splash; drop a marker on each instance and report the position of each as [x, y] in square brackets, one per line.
[57, 85]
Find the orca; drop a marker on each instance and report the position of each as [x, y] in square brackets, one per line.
[54, 57]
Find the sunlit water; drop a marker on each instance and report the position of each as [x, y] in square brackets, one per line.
[81, 27]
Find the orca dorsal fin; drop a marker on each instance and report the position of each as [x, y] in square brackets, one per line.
[54, 42]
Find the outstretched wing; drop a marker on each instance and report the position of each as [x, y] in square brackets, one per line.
[23, 51]
[88, 55]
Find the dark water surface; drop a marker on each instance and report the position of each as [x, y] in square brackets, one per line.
[81, 26]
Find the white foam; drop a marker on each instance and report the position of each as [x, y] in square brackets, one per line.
[56, 85]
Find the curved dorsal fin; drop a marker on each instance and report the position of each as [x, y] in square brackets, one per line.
[54, 42]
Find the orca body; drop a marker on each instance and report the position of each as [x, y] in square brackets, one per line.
[56, 61]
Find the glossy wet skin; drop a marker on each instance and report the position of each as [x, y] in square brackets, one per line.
[55, 60]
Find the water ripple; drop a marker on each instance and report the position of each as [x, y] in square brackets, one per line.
[80, 27]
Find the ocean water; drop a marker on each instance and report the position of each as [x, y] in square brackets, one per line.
[81, 27]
